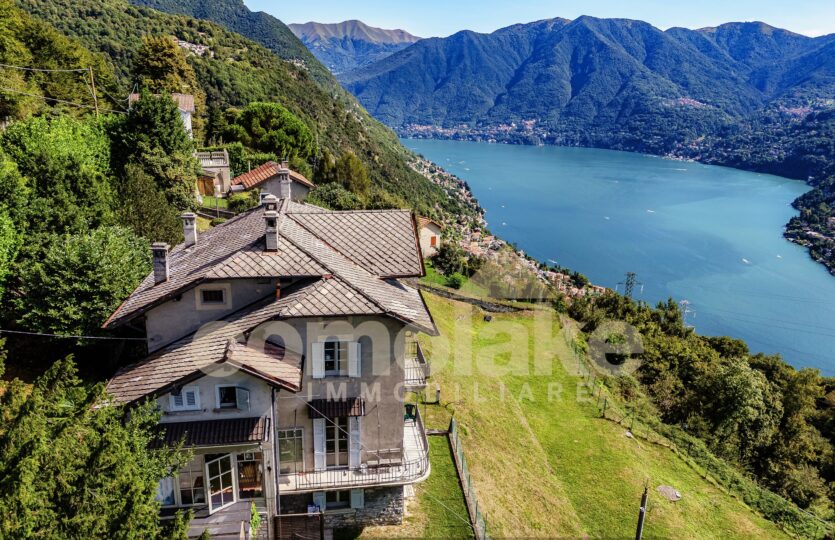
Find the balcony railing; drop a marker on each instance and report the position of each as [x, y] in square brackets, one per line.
[380, 468]
[416, 369]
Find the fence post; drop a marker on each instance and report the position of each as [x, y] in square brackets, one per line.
[605, 402]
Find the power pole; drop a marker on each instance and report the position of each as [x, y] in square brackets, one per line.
[629, 284]
[639, 532]
[93, 86]
[685, 311]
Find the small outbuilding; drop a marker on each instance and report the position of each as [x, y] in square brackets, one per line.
[429, 232]
[275, 178]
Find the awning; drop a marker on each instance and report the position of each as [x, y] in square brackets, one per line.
[333, 408]
[215, 432]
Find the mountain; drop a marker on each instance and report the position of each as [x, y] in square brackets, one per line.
[236, 71]
[596, 81]
[350, 44]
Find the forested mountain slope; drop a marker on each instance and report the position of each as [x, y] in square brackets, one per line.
[237, 71]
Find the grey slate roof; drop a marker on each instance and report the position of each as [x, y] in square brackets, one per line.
[384, 243]
[331, 282]
[214, 432]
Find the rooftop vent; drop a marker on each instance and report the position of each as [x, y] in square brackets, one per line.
[272, 234]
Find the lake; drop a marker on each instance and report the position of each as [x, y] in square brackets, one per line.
[710, 235]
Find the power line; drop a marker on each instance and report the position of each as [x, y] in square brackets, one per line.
[41, 334]
[24, 68]
[12, 90]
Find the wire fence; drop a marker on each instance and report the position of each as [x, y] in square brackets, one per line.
[692, 450]
[476, 516]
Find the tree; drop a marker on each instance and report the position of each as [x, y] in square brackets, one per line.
[269, 127]
[162, 68]
[72, 469]
[335, 197]
[67, 164]
[152, 136]
[9, 243]
[79, 280]
[351, 173]
[449, 259]
[145, 209]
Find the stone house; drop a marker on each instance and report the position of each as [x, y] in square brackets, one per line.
[216, 176]
[280, 346]
[277, 179]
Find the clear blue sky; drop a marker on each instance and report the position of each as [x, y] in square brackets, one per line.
[428, 18]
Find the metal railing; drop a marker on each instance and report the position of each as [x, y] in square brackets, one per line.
[417, 368]
[379, 473]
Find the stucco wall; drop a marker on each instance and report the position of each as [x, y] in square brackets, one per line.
[177, 318]
[298, 192]
[260, 398]
[380, 384]
[426, 234]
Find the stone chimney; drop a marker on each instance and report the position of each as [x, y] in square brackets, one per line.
[160, 255]
[272, 234]
[284, 186]
[269, 202]
[189, 228]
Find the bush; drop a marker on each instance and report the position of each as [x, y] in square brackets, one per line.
[335, 197]
[455, 281]
[241, 202]
[217, 221]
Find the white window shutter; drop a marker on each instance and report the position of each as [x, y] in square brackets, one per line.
[318, 360]
[319, 444]
[319, 499]
[354, 364]
[242, 398]
[354, 446]
[357, 498]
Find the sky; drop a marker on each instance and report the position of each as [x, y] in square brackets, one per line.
[428, 18]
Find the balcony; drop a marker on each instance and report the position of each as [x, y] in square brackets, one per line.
[416, 368]
[400, 466]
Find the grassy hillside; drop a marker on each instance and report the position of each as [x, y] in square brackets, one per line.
[553, 467]
[239, 71]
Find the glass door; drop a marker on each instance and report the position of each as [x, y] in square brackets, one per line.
[336, 442]
[219, 471]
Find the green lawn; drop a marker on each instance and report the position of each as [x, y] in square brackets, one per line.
[210, 202]
[438, 509]
[549, 466]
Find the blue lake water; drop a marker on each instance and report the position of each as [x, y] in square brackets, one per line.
[710, 235]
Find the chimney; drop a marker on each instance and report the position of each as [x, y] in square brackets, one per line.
[284, 186]
[269, 202]
[271, 219]
[160, 255]
[189, 228]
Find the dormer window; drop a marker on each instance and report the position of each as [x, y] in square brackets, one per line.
[187, 399]
[232, 398]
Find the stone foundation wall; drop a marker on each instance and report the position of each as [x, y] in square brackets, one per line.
[383, 506]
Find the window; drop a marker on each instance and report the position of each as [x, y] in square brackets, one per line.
[232, 397]
[165, 492]
[190, 480]
[337, 499]
[250, 475]
[290, 449]
[336, 358]
[433, 241]
[187, 399]
[212, 296]
[336, 441]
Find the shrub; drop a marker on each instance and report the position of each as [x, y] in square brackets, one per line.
[217, 221]
[455, 281]
[241, 202]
